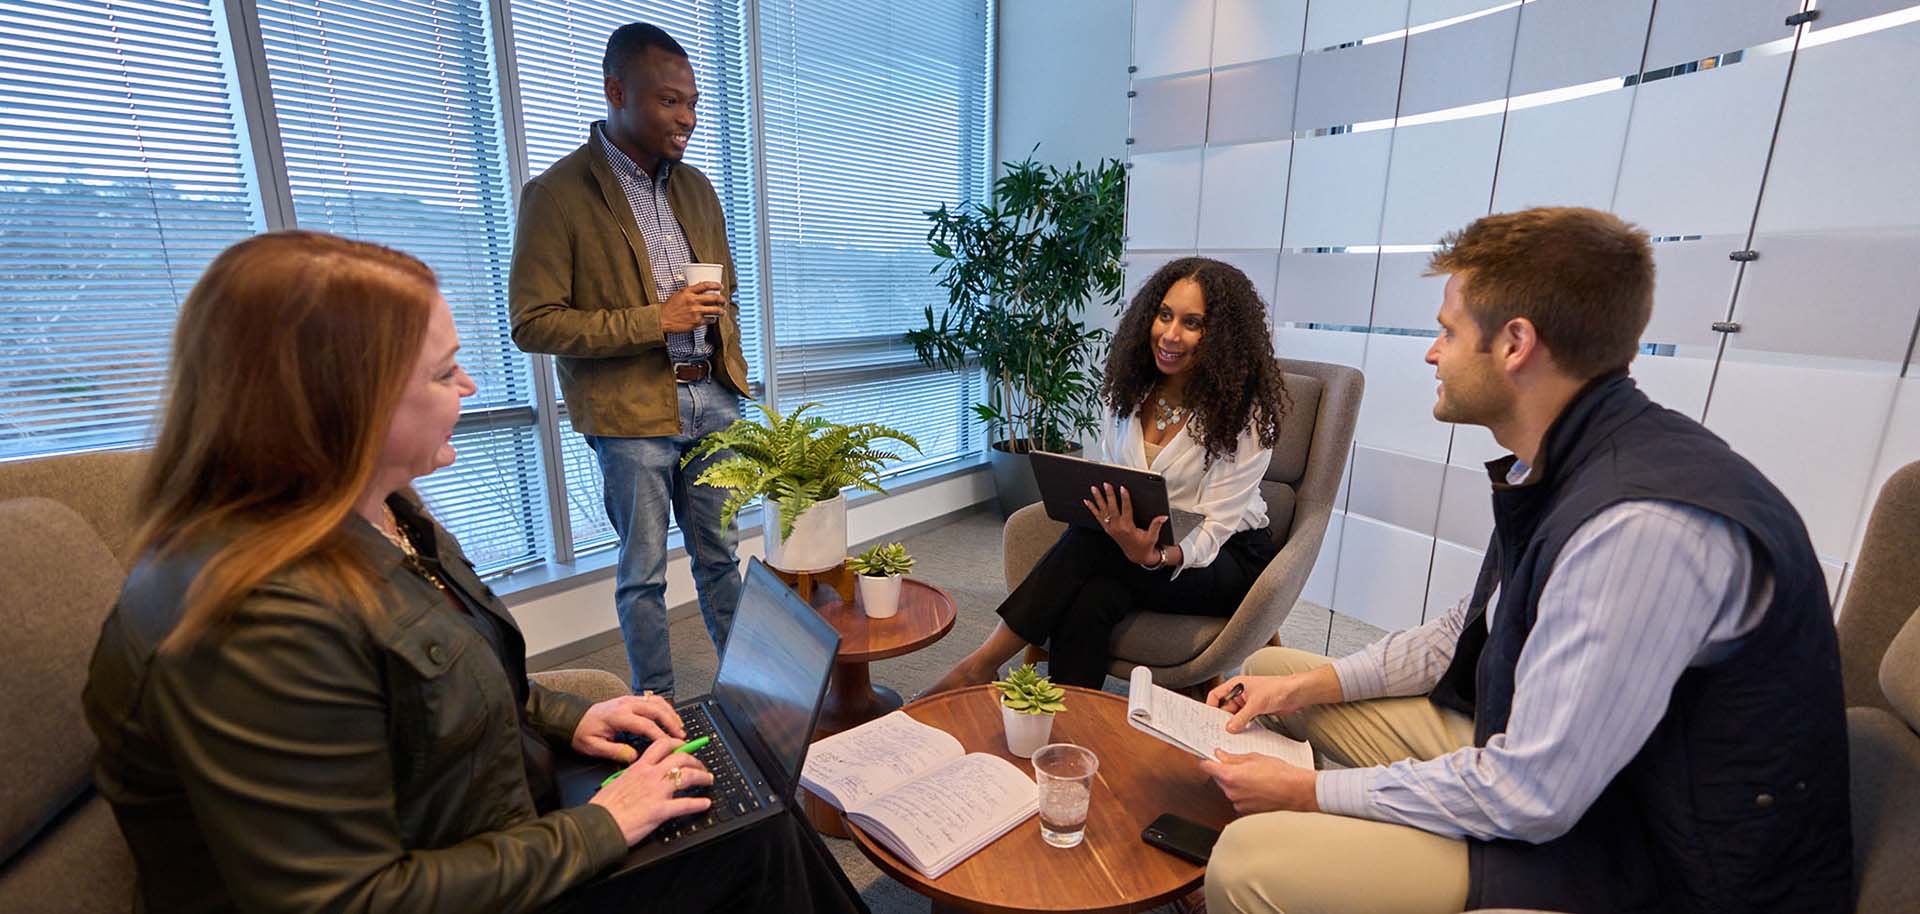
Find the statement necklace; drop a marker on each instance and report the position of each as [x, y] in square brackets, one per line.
[1168, 415]
[400, 539]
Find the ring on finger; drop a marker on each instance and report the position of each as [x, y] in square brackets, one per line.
[673, 774]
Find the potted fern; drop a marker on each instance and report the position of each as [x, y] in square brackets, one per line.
[880, 569]
[1028, 702]
[800, 464]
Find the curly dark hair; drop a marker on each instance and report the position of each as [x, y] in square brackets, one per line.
[1235, 382]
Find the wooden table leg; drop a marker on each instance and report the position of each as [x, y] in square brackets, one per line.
[853, 699]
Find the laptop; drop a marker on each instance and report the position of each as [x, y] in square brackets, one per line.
[761, 713]
[1064, 483]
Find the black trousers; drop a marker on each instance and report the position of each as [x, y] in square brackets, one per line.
[1081, 589]
[777, 865]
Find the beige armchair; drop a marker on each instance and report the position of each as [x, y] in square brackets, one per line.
[66, 524]
[1300, 486]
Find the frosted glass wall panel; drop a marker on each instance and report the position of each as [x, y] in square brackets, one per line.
[1426, 11]
[1140, 266]
[1404, 295]
[1814, 431]
[1455, 569]
[1397, 410]
[1848, 135]
[1245, 30]
[1466, 507]
[1339, 183]
[1253, 101]
[1169, 113]
[1325, 289]
[1677, 382]
[1441, 178]
[1571, 42]
[1348, 85]
[1459, 64]
[1473, 447]
[1693, 288]
[1163, 199]
[1335, 347]
[1697, 148]
[1396, 488]
[1697, 29]
[1260, 267]
[1563, 154]
[1840, 12]
[1850, 295]
[1382, 579]
[1170, 36]
[1243, 195]
[1901, 447]
[1342, 21]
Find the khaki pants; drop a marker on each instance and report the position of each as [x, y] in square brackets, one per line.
[1296, 862]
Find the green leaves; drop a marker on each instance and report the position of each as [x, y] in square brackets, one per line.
[1018, 269]
[889, 559]
[1026, 691]
[796, 460]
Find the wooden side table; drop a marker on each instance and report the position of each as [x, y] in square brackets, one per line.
[926, 614]
[1112, 870]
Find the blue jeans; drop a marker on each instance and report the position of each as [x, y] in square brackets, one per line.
[643, 477]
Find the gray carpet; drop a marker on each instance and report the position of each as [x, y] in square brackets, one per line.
[963, 557]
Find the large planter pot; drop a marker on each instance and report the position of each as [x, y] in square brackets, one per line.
[819, 540]
[880, 594]
[1013, 482]
[1026, 733]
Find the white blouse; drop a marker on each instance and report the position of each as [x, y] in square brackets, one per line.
[1227, 495]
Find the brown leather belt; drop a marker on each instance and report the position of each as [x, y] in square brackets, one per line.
[690, 372]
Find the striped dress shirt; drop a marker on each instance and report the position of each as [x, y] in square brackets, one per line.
[667, 250]
[1641, 592]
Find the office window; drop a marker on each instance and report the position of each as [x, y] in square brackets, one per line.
[122, 174]
[558, 47]
[390, 118]
[875, 111]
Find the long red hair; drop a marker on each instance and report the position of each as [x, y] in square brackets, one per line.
[289, 359]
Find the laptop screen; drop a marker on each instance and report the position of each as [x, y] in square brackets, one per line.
[773, 671]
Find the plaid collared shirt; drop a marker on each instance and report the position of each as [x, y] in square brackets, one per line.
[667, 250]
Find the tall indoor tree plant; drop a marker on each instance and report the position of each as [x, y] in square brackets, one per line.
[1019, 269]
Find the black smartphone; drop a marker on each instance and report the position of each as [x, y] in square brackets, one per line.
[1180, 837]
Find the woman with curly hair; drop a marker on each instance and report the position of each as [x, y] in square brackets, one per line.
[1193, 393]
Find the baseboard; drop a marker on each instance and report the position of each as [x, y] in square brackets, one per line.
[552, 658]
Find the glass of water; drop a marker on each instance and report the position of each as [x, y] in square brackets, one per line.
[1065, 774]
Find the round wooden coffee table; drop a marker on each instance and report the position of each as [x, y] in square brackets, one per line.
[1112, 870]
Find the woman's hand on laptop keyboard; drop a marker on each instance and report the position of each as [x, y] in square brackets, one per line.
[648, 716]
[642, 796]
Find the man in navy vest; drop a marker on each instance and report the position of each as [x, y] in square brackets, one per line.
[1638, 706]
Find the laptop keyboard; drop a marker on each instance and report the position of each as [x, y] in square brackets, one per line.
[731, 794]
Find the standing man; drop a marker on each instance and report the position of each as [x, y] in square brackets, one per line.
[648, 364]
[1638, 707]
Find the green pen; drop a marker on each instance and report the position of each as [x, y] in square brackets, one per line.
[689, 746]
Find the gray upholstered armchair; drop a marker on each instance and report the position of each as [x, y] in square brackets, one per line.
[66, 525]
[1300, 486]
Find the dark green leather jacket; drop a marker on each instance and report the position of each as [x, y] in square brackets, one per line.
[313, 757]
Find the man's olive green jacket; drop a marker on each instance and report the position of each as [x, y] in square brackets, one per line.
[310, 756]
[583, 290]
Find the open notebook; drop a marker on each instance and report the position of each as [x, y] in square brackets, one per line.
[916, 791]
[1200, 728]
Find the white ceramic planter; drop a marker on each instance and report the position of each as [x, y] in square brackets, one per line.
[1026, 733]
[819, 540]
[880, 595]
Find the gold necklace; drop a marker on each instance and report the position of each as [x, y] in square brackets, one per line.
[399, 538]
[1169, 415]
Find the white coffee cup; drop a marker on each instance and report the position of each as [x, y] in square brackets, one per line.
[697, 273]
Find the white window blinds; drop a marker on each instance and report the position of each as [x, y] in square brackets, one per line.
[558, 47]
[389, 115]
[875, 111]
[121, 175]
